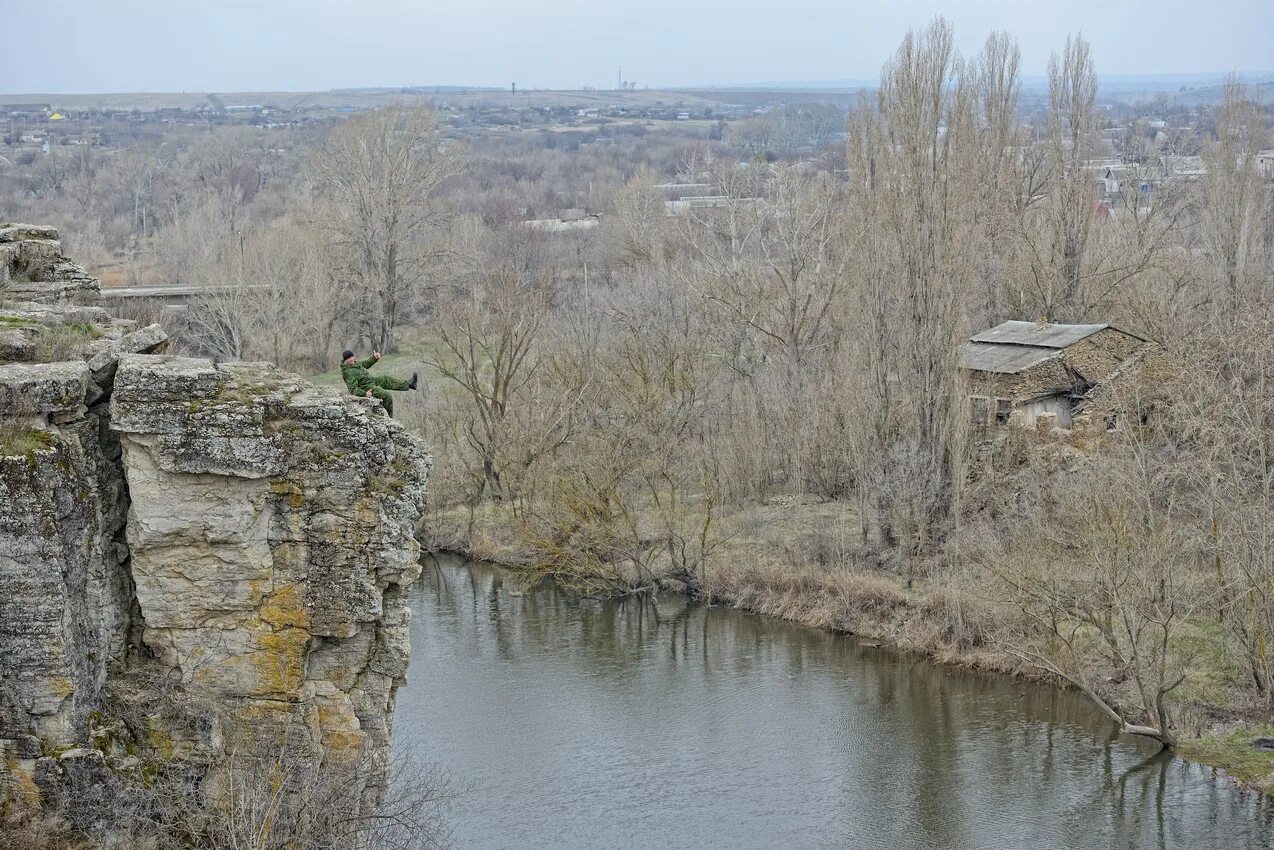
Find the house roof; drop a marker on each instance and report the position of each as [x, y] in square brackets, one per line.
[1037, 334]
[1012, 347]
[1002, 358]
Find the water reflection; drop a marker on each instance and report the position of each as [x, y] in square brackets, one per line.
[650, 723]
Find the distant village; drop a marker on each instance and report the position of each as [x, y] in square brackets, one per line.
[1142, 149]
[27, 124]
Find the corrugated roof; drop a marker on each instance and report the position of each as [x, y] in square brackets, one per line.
[1041, 335]
[1006, 359]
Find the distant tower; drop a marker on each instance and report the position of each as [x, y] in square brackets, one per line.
[515, 88]
[619, 78]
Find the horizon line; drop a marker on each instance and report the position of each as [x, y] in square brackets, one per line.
[1255, 76]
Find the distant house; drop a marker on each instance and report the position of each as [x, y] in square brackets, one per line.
[1182, 167]
[569, 221]
[18, 110]
[1020, 371]
[678, 191]
[1265, 164]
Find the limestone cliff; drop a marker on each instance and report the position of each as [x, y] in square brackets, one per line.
[223, 547]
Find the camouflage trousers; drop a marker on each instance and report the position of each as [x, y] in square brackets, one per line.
[384, 384]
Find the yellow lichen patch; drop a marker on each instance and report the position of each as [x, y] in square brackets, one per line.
[258, 588]
[159, 740]
[293, 494]
[21, 786]
[339, 725]
[343, 741]
[366, 514]
[61, 687]
[264, 711]
[280, 662]
[284, 608]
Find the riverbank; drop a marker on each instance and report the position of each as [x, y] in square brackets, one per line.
[764, 733]
[805, 562]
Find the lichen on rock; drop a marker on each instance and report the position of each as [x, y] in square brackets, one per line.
[253, 555]
[212, 545]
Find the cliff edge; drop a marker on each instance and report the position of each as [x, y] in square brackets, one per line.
[200, 561]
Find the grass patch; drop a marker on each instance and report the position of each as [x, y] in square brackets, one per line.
[1233, 752]
[19, 440]
[64, 342]
[1212, 671]
[7, 322]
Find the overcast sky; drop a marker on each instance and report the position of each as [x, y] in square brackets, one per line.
[229, 45]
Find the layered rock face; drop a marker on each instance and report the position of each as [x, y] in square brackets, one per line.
[226, 545]
[32, 267]
[271, 539]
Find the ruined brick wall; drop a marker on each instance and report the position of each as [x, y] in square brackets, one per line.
[1099, 356]
[1139, 387]
[1037, 380]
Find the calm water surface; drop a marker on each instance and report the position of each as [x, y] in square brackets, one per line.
[637, 724]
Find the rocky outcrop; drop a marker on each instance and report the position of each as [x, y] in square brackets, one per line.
[32, 267]
[271, 539]
[224, 548]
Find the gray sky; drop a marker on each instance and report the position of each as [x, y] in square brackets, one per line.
[229, 45]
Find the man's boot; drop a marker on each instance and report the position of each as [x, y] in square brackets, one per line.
[411, 385]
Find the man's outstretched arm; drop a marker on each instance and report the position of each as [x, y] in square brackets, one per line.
[371, 361]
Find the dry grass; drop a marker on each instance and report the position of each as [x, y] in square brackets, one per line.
[65, 341]
[19, 440]
[23, 828]
[486, 533]
[951, 625]
[805, 562]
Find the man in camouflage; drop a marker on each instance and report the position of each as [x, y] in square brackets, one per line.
[360, 382]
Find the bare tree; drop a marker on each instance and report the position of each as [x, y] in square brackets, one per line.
[273, 296]
[1237, 208]
[914, 176]
[1109, 584]
[136, 173]
[490, 347]
[1072, 91]
[381, 172]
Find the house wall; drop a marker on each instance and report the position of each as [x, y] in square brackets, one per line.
[1038, 380]
[1140, 387]
[1027, 413]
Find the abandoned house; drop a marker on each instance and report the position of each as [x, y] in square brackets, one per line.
[1019, 371]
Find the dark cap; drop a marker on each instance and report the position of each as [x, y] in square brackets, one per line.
[346, 354]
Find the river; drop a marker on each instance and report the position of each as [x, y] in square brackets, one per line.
[641, 724]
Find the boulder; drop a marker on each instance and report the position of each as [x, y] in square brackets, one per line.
[28, 389]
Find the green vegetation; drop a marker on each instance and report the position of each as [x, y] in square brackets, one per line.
[64, 341]
[247, 385]
[1234, 753]
[22, 441]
